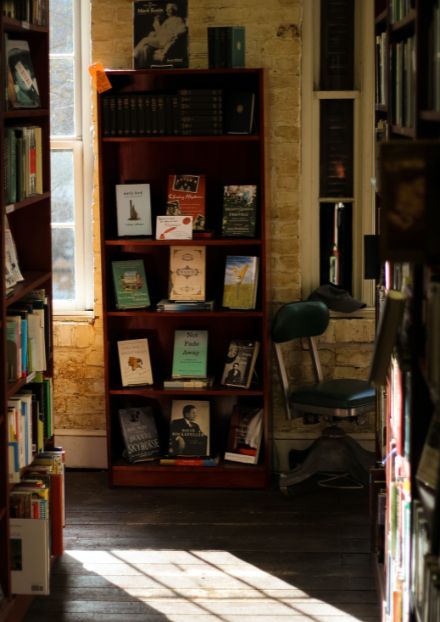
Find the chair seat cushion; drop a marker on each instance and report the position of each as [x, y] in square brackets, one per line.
[337, 393]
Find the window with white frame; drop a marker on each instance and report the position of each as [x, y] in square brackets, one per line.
[71, 159]
[337, 145]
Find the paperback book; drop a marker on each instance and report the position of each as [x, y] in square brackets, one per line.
[187, 273]
[245, 434]
[190, 354]
[140, 434]
[22, 87]
[239, 211]
[240, 282]
[174, 227]
[186, 197]
[189, 428]
[131, 290]
[240, 363]
[134, 362]
[133, 207]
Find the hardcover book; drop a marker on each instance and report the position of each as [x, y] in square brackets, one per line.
[239, 113]
[245, 434]
[187, 273]
[140, 434]
[189, 428]
[22, 87]
[190, 354]
[130, 283]
[133, 207]
[186, 197]
[226, 46]
[134, 362]
[241, 280]
[239, 211]
[160, 33]
[240, 363]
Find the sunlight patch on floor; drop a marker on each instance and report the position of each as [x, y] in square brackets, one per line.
[214, 585]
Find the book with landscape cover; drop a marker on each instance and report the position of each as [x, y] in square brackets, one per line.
[22, 87]
[186, 197]
[189, 428]
[139, 432]
[240, 282]
[240, 363]
[133, 207]
[245, 434]
[187, 273]
[239, 211]
[134, 362]
[131, 290]
[190, 354]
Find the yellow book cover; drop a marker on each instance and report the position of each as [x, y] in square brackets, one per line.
[241, 279]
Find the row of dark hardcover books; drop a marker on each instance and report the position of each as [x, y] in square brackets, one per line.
[31, 11]
[187, 112]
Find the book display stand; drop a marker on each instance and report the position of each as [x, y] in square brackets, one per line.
[159, 125]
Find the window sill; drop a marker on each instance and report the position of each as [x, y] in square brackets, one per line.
[367, 313]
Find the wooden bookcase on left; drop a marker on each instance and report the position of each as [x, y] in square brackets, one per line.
[26, 415]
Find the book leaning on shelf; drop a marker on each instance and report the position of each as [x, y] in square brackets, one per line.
[239, 211]
[130, 283]
[140, 434]
[186, 197]
[240, 282]
[134, 362]
[133, 210]
[22, 87]
[240, 363]
[190, 354]
[245, 434]
[187, 271]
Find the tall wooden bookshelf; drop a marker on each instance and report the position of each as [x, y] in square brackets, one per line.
[29, 222]
[224, 159]
[408, 115]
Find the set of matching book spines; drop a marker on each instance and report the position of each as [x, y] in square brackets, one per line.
[30, 11]
[185, 112]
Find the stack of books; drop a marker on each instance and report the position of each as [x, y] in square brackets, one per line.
[185, 305]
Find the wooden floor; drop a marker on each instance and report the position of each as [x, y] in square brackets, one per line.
[154, 555]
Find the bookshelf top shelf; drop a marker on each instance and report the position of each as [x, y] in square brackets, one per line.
[15, 25]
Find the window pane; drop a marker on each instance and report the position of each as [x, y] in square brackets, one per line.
[336, 141]
[61, 27]
[62, 92]
[63, 195]
[336, 244]
[63, 246]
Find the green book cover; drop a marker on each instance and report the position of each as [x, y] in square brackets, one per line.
[239, 211]
[131, 290]
[241, 279]
[190, 354]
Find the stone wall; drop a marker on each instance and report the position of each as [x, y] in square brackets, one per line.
[273, 41]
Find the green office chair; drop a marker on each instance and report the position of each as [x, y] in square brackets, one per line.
[333, 400]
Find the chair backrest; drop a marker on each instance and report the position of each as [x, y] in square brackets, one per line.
[296, 320]
[299, 319]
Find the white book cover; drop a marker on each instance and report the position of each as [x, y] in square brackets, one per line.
[134, 361]
[174, 227]
[133, 206]
[30, 561]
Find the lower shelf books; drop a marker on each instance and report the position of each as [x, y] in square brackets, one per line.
[189, 428]
[245, 434]
[191, 462]
[240, 363]
[188, 383]
[140, 434]
[168, 305]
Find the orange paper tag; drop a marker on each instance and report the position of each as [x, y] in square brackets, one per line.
[100, 80]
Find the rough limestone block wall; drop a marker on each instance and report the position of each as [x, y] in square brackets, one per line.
[273, 41]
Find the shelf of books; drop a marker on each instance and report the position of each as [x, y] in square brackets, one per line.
[31, 485]
[181, 159]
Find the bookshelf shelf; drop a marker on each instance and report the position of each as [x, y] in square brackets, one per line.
[223, 160]
[29, 223]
